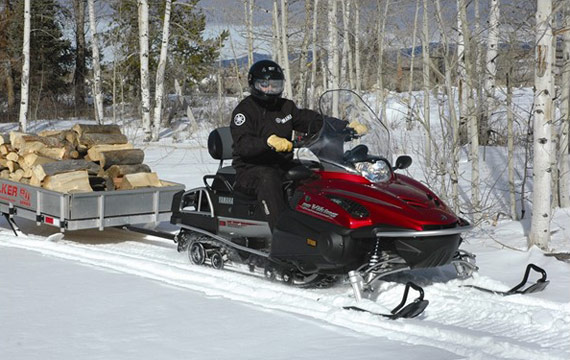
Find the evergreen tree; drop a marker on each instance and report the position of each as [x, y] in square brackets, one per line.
[51, 54]
[190, 55]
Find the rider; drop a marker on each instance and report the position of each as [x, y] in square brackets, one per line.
[262, 126]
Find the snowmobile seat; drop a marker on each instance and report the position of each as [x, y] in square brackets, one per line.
[220, 148]
[220, 144]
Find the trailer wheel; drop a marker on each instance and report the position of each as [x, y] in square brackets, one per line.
[217, 260]
[196, 253]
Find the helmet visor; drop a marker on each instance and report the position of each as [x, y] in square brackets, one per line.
[269, 86]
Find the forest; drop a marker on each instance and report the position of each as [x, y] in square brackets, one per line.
[156, 60]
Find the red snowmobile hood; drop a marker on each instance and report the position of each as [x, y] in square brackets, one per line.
[401, 202]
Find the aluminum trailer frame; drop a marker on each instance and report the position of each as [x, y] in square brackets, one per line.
[87, 210]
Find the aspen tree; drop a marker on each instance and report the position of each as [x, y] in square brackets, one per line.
[564, 161]
[144, 67]
[97, 88]
[426, 81]
[285, 49]
[357, 70]
[379, 75]
[541, 202]
[248, 9]
[453, 120]
[25, 83]
[490, 65]
[315, 57]
[412, 58]
[301, 92]
[159, 92]
[333, 55]
[470, 115]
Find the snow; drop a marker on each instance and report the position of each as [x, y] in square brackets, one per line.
[121, 295]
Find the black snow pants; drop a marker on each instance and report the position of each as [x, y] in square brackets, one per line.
[265, 183]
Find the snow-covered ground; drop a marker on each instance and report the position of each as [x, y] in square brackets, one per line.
[121, 295]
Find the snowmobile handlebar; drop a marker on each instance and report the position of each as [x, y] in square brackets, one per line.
[304, 139]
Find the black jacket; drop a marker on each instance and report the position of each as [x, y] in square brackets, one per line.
[253, 121]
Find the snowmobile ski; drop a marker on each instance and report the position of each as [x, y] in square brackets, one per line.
[539, 285]
[409, 311]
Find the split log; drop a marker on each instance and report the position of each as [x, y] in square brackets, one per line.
[12, 165]
[122, 170]
[34, 181]
[31, 160]
[94, 152]
[50, 133]
[121, 157]
[17, 175]
[15, 137]
[58, 167]
[61, 152]
[140, 180]
[75, 181]
[81, 129]
[62, 136]
[90, 139]
[5, 174]
[19, 140]
[5, 149]
[13, 156]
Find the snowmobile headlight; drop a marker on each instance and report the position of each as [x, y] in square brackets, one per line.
[377, 172]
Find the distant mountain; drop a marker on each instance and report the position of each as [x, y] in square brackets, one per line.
[242, 61]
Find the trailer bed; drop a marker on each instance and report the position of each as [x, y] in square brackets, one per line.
[88, 210]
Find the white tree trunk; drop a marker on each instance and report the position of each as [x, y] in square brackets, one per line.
[333, 55]
[357, 71]
[542, 191]
[285, 48]
[312, 96]
[159, 92]
[426, 82]
[564, 161]
[413, 56]
[301, 91]
[345, 67]
[511, 148]
[470, 115]
[276, 43]
[248, 8]
[25, 84]
[98, 95]
[145, 76]
[379, 75]
[491, 62]
[453, 120]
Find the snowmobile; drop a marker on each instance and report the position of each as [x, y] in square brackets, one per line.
[350, 212]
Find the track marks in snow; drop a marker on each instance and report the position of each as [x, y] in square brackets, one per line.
[464, 321]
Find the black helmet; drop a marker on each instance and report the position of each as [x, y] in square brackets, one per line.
[266, 80]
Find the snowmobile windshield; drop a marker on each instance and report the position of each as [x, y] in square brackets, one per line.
[340, 107]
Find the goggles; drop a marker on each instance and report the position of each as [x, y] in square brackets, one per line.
[269, 87]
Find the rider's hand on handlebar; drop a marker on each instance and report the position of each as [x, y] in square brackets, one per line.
[359, 128]
[279, 144]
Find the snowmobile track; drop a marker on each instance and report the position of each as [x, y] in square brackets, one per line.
[464, 321]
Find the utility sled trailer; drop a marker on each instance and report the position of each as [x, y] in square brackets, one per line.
[87, 210]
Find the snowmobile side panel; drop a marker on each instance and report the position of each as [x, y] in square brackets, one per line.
[313, 244]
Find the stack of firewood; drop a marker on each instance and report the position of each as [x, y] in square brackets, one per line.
[84, 158]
